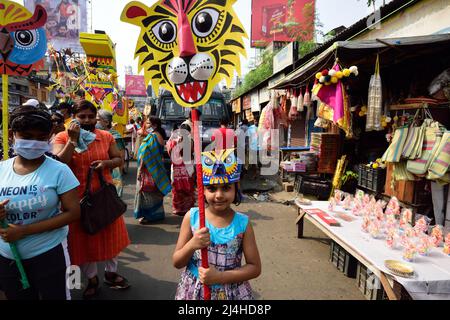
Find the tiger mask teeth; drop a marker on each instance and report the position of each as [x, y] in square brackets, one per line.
[192, 92]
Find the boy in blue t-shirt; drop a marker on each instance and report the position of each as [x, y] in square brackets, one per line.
[38, 199]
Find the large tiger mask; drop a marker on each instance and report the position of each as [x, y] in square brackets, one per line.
[187, 46]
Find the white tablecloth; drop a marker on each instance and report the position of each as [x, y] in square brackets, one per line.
[432, 272]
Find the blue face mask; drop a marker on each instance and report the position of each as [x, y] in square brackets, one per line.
[31, 149]
[99, 126]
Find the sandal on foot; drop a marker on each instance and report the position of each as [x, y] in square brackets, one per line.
[144, 222]
[112, 281]
[92, 288]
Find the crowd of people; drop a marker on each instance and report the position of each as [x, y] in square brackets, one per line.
[48, 173]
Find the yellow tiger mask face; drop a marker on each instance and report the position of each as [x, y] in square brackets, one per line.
[187, 46]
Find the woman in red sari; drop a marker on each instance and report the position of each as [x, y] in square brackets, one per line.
[182, 173]
[101, 151]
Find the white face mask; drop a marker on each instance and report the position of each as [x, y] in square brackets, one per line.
[31, 149]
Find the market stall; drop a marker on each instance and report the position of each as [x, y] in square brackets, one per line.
[379, 97]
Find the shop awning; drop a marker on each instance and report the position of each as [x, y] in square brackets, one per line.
[359, 52]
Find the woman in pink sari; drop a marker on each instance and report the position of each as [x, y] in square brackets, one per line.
[182, 173]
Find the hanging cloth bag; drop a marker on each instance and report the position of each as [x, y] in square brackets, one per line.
[441, 160]
[411, 140]
[375, 101]
[417, 149]
[394, 151]
[400, 172]
[431, 142]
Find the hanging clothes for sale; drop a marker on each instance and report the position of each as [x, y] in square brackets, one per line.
[266, 125]
[375, 101]
[274, 99]
[334, 105]
[300, 101]
[294, 97]
[440, 162]
[293, 113]
[307, 98]
[308, 104]
[281, 114]
[309, 113]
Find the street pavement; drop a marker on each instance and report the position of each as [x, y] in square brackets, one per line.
[291, 268]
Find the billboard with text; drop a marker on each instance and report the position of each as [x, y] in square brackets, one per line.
[135, 86]
[282, 20]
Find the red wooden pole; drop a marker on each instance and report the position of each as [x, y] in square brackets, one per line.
[201, 196]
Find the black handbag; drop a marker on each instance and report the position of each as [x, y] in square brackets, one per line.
[101, 208]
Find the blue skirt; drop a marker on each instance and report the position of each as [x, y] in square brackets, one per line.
[149, 206]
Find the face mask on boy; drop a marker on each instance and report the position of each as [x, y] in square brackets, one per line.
[31, 149]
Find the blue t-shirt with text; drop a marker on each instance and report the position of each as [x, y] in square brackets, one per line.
[34, 197]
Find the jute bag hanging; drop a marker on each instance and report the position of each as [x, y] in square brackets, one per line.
[394, 151]
[431, 141]
[375, 100]
[414, 135]
[401, 173]
[440, 162]
[417, 149]
[294, 97]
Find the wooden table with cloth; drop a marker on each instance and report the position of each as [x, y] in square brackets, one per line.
[431, 278]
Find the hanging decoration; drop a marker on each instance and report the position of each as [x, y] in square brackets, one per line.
[332, 76]
[334, 104]
[67, 74]
[293, 112]
[375, 101]
[187, 48]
